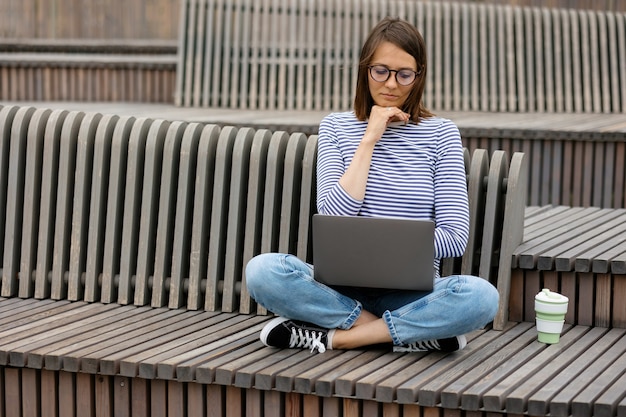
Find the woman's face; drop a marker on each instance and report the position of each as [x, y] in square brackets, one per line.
[389, 93]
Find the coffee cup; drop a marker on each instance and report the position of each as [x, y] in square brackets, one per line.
[550, 310]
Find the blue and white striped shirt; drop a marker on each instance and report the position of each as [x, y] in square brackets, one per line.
[417, 171]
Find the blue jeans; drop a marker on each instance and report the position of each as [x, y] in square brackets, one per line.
[284, 285]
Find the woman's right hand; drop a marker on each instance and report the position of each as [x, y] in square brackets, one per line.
[380, 118]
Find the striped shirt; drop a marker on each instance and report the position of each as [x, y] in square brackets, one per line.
[417, 171]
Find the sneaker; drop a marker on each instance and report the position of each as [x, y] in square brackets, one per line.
[285, 333]
[449, 344]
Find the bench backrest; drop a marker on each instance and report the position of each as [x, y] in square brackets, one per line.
[149, 212]
[303, 55]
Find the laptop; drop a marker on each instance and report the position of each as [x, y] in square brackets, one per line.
[374, 252]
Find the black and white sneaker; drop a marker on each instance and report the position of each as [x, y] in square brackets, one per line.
[285, 333]
[449, 344]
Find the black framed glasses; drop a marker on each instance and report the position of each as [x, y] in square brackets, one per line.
[381, 73]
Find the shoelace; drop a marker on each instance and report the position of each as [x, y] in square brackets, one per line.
[425, 345]
[307, 340]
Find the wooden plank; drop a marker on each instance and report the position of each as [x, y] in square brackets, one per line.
[45, 228]
[31, 392]
[225, 372]
[132, 209]
[183, 226]
[582, 404]
[205, 171]
[290, 202]
[85, 398]
[517, 399]
[233, 268]
[512, 233]
[26, 311]
[495, 398]
[253, 221]
[185, 369]
[276, 154]
[60, 315]
[217, 342]
[15, 199]
[32, 190]
[62, 329]
[581, 245]
[437, 364]
[553, 242]
[38, 357]
[541, 402]
[606, 405]
[167, 215]
[206, 372]
[79, 227]
[306, 381]
[125, 358]
[69, 358]
[478, 170]
[219, 217]
[448, 390]
[151, 165]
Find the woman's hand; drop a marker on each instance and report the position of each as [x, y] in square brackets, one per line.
[380, 118]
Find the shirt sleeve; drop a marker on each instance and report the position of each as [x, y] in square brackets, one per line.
[331, 165]
[451, 199]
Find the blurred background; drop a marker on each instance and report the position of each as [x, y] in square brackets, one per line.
[155, 19]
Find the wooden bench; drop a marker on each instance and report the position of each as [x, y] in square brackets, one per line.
[135, 302]
[122, 275]
[582, 253]
[302, 55]
[87, 70]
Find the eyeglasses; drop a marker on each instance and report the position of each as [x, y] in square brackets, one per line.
[380, 74]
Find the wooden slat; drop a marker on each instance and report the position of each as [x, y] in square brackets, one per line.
[236, 219]
[478, 170]
[495, 398]
[307, 199]
[108, 267]
[86, 356]
[169, 188]
[49, 172]
[63, 210]
[120, 254]
[492, 234]
[254, 204]
[32, 192]
[15, 200]
[7, 115]
[21, 349]
[97, 206]
[549, 397]
[219, 216]
[45, 355]
[183, 223]
[517, 399]
[290, 201]
[512, 233]
[198, 264]
[82, 178]
[151, 163]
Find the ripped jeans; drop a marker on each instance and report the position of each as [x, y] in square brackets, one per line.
[284, 285]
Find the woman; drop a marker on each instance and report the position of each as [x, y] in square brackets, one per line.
[388, 157]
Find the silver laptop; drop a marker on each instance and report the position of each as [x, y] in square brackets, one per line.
[374, 252]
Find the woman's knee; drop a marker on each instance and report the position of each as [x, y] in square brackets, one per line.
[488, 298]
[257, 269]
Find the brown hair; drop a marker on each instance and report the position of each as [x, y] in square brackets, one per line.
[405, 36]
